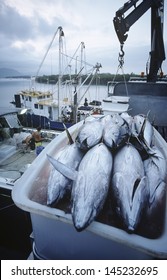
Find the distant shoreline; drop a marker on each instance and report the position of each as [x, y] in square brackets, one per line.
[17, 77]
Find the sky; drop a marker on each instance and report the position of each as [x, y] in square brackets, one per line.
[27, 28]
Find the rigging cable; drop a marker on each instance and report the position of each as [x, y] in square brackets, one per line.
[97, 69]
[47, 51]
[120, 66]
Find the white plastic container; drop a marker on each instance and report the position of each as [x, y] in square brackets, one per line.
[54, 234]
[115, 104]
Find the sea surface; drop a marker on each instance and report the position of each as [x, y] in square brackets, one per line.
[10, 87]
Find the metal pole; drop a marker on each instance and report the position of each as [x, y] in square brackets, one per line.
[61, 34]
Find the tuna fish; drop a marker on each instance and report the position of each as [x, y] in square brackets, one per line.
[143, 130]
[128, 119]
[155, 168]
[90, 186]
[129, 186]
[89, 134]
[116, 131]
[106, 119]
[70, 155]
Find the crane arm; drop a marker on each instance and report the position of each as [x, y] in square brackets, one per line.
[123, 23]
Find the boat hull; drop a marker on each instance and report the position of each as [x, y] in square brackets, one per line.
[145, 98]
[33, 120]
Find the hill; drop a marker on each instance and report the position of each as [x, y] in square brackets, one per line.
[8, 72]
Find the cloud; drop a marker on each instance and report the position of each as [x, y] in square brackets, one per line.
[13, 25]
[27, 27]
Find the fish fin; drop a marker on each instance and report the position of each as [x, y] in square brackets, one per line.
[140, 191]
[66, 171]
[68, 134]
[148, 113]
[142, 141]
[141, 133]
[158, 193]
[153, 121]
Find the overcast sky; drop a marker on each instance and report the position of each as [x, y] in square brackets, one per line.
[27, 28]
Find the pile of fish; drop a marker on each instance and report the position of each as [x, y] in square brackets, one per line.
[112, 156]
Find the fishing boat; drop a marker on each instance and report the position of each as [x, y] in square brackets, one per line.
[15, 156]
[99, 240]
[65, 104]
[13, 162]
[15, 159]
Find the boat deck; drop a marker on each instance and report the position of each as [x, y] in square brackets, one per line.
[15, 158]
[15, 242]
[15, 165]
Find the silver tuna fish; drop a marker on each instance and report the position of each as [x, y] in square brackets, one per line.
[89, 134]
[156, 171]
[129, 186]
[143, 130]
[71, 156]
[90, 186]
[127, 118]
[116, 131]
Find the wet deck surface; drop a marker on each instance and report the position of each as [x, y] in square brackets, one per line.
[14, 166]
[16, 226]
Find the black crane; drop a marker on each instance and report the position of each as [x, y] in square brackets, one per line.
[123, 23]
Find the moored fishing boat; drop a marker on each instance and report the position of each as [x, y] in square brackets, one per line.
[99, 238]
[15, 159]
[64, 105]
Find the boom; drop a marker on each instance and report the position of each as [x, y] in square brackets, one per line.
[122, 25]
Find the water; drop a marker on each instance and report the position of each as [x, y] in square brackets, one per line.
[10, 87]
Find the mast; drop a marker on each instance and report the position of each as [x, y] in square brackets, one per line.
[61, 34]
[79, 77]
[81, 65]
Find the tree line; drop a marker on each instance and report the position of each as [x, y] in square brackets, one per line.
[99, 79]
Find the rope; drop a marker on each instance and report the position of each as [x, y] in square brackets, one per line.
[8, 206]
[78, 60]
[16, 158]
[47, 51]
[93, 76]
[126, 88]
